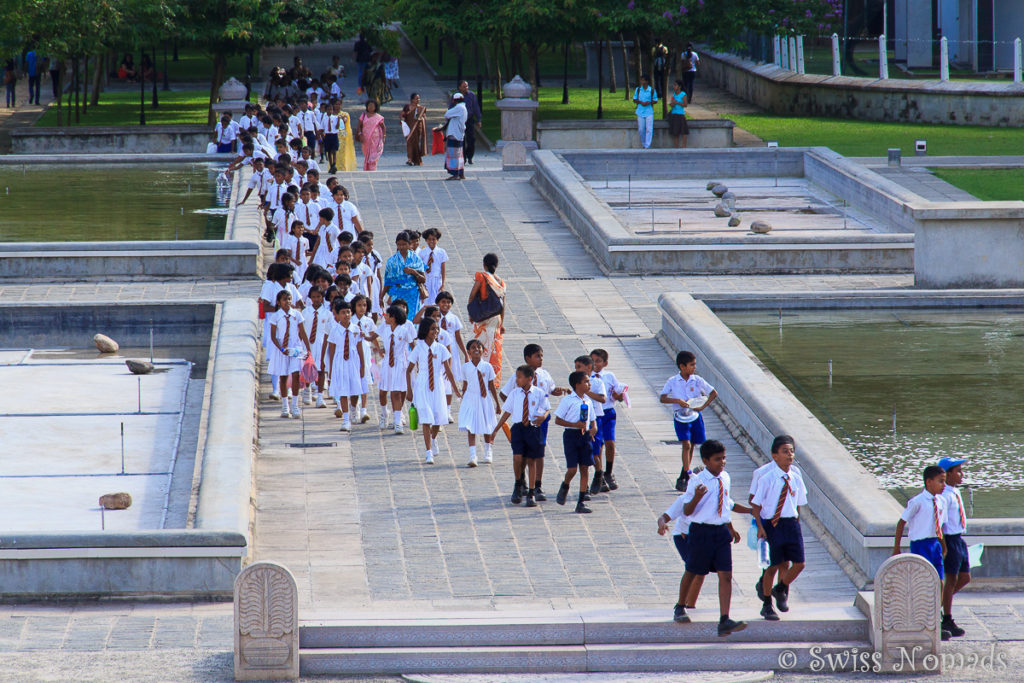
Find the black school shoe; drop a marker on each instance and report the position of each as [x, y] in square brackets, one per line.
[595, 485]
[563, 494]
[517, 494]
[946, 635]
[609, 481]
[531, 501]
[679, 615]
[759, 588]
[949, 625]
[729, 626]
[582, 509]
[682, 481]
[767, 612]
[781, 595]
[539, 495]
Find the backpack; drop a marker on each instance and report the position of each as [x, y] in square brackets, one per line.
[687, 61]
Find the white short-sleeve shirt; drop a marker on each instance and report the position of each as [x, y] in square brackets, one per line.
[686, 389]
[541, 379]
[706, 511]
[770, 488]
[675, 511]
[571, 407]
[956, 515]
[920, 515]
[538, 404]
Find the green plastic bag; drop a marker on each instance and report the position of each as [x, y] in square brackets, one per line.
[414, 418]
[974, 554]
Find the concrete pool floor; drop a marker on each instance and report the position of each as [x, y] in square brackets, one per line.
[62, 439]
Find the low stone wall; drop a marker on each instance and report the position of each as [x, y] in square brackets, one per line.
[622, 134]
[969, 244]
[785, 92]
[110, 139]
[845, 497]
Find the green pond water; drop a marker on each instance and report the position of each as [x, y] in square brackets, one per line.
[908, 387]
[102, 202]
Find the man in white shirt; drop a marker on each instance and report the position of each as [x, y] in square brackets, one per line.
[455, 135]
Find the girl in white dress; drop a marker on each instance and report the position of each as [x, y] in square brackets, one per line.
[279, 278]
[393, 345]
[363, 321]
[286, 331]
[427, 393]
[345, 349]
[477, 413]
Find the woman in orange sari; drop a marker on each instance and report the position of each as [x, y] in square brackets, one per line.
[371, 133]
[489, 332]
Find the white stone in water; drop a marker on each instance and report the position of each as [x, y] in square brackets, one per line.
[711, 184]
[105, 344]
[722, 211]
[734, 220]
[760, 227]
[719, 190]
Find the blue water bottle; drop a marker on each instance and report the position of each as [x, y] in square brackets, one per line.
[752, 535]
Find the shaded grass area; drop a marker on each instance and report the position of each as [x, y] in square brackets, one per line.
[195, 65]
[121, 108]
[549, 60]
[582, 105]
[871, 138]
[987, 184]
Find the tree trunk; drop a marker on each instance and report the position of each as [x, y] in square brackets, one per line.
[531, 56]
[142, 94]
[85, 88]
[611, 69]
[220, 61]
[536, 65]
[600, 77]
[479, 77]
[505, 61]
[565, 73]
[60, 93]
[174, 57]
[97, 79]
[156, 99]
[638, 49]
[74, 87]
[516, 55]
[625, 65]
[458, 67]
[440, 52]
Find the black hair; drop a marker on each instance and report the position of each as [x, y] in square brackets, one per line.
[780, 441]
[365, 234]
[490, 263]
[345, 238]
[358, 246]
[281, 295]
[525, 371]
[425, 325]
[327, 214]
[584, 360]
[272, 272]
[444, 296]
[531, 349]
[414, 234]
[685, 358]
[710, 448]
[429, 311]
[343, 280]
[287, 196]
[281, 252]
[645, 77]
[600, 353]
[431, 232]
[343, 248]
[401, 302]
[339, 304]
[476, 341]
[357, 298]
[331, 289]
[931, 472]
[397, 313]
[680, 83]
[403, 237]
[576, 377]
[285, 270]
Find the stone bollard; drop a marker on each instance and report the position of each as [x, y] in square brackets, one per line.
[266, 623]
[518, 112]
[905, 617]
[231, 98]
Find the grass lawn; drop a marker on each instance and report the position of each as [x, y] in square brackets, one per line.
[550, 60]
[122, 109]
[987, 184]
[195, 65]
[870, 138]
[582, 105]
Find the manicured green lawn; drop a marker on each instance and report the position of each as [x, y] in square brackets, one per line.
[550, 60]
[582, 105]
[195, 65]
[987, 184]
[869, 138]
[122, 109]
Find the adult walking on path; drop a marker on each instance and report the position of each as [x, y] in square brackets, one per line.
[488, 297]
[371, 132]
[404, 273]
[414, 118]
[690, 61]
[32, 71]
[474, 118]
[10, 81]
[455, 136]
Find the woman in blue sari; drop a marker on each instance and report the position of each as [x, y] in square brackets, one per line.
[404, 272]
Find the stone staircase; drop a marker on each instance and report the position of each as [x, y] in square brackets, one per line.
[572, 641]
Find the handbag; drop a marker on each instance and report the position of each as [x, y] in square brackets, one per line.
[480, 309]
[437, 141]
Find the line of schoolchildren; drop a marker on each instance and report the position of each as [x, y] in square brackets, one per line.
[935, 519]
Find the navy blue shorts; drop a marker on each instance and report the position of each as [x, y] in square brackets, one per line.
[526, 441]
[598, 443]
[682, 545]
[577, 449]
[931, 550]
[691, 431]
[785, 542]
[544, 430]
[710, 549]
[956, 560]
[606, 425]
[331, 143]
[310, 139]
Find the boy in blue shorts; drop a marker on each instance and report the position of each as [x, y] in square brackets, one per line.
[528, 406]
[576, 414]
[775, 504]
[709, 544]
[923, 521]
[597, 394]
[606, 423]
[688, 422]
[956, 563]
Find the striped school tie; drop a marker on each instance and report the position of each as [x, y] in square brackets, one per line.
[347, 332]
[782, 500]
[316, 321]
[721, 495]
[526, 407]
[935, 514]
[430, 368]
[287, 330]
[480, 378]
[960, 507]
[391, 350]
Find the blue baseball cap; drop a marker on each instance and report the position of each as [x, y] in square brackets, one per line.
[949, 463]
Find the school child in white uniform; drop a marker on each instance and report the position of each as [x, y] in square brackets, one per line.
[679, 538]
[576, 413]
[679, 389]
[448, 341]
[318, 321]
[374, 261]
[477, 412]
[451, 324]
[781, 442]
[347, 361]
[606, 423]
[362, 276]
[393, 341]
[259, 181]
[307, 156]
[598, 395]
[327, 240]
[286, 331]
[363, 321]
[279, 278]
[277, 190]
[284, 216]
[434, 259]
[306, 210]
[923, 520]
[351, 219]
[298, 252]
[528, 406]
[433, 364]
[957, 560]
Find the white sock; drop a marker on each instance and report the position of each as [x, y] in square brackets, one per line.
[472, 452]
[398, 417]
[429, 453]
[344, 417]
[275, 383]
[487, 448]
[295, 402]
[284, 403]
[337, 399]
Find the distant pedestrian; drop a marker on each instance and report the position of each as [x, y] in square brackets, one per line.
[362, 51]
[677, 115]
[32, 71]
[10, 80]
[413, 116]
[691, 60]
[644, 98]
[455, 138]
[371, 132]
[473, 120]
[659, 60]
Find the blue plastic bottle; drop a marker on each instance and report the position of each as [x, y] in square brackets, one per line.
[752, 534]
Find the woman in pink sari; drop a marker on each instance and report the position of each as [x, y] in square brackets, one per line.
[489, 332]
[371, 133]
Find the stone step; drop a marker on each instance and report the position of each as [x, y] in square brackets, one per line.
[713, 654]
[806, 623]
